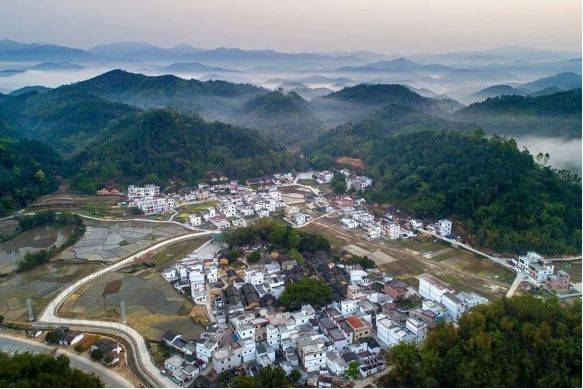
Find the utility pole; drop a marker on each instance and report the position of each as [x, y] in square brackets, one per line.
[29, 308]
[122, 306]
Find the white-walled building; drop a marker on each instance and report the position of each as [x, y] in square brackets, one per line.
[454, 307]
[152, 206]
[149, 190]
[393, 231]
[348, 223]
[444, 227]
[431, 288]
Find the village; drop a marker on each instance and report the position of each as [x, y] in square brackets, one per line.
[370, 310]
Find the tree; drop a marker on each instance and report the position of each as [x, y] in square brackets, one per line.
[506, 343]
[352, 371]
[52, 337]
[338, 183]
[96, 354]
[232, 255]
[295, 376]
[42, 371]
[296, 256]
[254, 257]
[268, 377]
[306, 291]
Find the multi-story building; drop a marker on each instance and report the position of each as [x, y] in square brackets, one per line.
[431, 288]
[360, 327]
[149, 190]
[454, 306]
[393, 231]
[312, 353]
[538, 268]
[152, 206]
[228, 357]
[444, 227]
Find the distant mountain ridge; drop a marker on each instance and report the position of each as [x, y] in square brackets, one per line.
[546, 85]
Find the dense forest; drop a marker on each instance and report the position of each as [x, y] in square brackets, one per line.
[66, 117]
[26, 370]
[287, 117]
[163, 145]
[506, 201]
[557, 114]
[517, 342]
[28, 169]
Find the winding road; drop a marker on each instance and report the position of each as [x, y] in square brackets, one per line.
[49, 317]
[9, 343]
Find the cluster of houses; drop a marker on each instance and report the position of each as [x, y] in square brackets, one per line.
[109, 349]
[148, 199]
[250, 331]
[541, 271]
[353, 213]
[353, 181]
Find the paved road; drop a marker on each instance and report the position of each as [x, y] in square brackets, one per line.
[50, 315]
[11, 344]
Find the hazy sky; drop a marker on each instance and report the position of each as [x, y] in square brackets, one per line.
[388, 26]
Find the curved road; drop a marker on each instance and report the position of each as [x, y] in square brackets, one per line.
[50, 315]
[11, 344]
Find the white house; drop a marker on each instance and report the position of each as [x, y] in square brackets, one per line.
[212, 274]
[348, 223]
[431, 288]
[358, 276]
[312, 353]
[254, 277]
[417, 327]
[454, 306]
[535, 265]
[348, 307]
[205, 349]
[444, 227]
[335, 363]
[195, 220]
[393, 231]
[227, 358]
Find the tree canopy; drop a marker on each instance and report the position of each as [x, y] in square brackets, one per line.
[506, 200]
[517, 342]
[42, 371]
[306, 291]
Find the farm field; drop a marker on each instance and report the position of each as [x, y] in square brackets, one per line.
[90, 205]
[41, 285]
[113, 240]
[407, 259]
[175, 252]
[152, 305]
[30, 241]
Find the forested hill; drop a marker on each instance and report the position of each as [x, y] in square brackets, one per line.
[65, 117]
[506, 201]
[167, 91]
[393, 118]
[557, 114]
[557, 104]
[375, 95]
[162, 145]
[287, 117]
[28, 169]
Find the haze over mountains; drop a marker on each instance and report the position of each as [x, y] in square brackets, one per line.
[290, 97]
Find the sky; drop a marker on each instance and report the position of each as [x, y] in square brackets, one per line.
[384, 26]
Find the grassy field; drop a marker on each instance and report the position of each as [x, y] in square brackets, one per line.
[175, 251]
[152, 305]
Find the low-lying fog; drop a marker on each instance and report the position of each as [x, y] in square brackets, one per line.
[564, 153]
